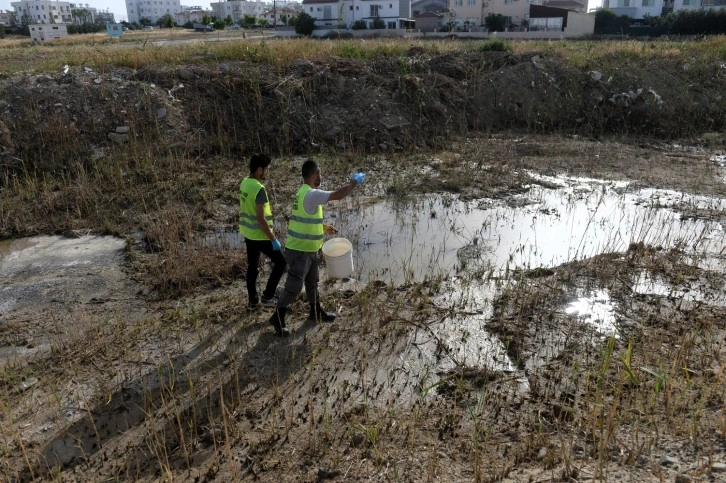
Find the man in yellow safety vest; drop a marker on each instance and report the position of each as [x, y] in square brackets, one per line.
[305, 233]
[256, 225]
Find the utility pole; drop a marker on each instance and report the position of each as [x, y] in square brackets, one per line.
[274, 14]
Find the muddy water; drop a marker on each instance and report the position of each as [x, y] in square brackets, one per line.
[571, 219]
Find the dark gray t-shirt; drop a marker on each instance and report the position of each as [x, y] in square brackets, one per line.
[261, 197]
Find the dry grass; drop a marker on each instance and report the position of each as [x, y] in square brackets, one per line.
[137, 49]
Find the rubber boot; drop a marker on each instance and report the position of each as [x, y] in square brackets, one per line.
[277, 320]
[318, 314]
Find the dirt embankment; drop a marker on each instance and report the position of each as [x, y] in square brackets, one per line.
[388, 104]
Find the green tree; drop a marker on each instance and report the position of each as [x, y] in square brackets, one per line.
[206, 19]
[145, 21]
[378, 23]
[359, 25]
[248, 20]
[80, 15]
[2, 32]
[166, 21]
[495, 22]
[304, 24]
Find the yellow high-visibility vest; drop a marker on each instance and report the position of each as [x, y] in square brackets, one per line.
[304, 232]
[248, 225]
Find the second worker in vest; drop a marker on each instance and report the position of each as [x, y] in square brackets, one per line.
[256, 225]
[305, 233]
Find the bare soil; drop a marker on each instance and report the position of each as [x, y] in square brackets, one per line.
[136, 376]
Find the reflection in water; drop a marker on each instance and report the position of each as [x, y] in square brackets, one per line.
[596, 311]
[441, 235]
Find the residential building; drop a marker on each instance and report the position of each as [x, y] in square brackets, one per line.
[574, 5]
[637, 9]
[191, 15]
[553, 19]
[515, 11]
[152, 10]
[468, 14]
[698, 4]
[430, 21]
[279, 15]
[435, 6]
[395, 14]
[46, 31]
[237, 9]
[29, 12]
[7, 17]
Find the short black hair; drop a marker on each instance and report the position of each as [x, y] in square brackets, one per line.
[258, 160]
[309, 168]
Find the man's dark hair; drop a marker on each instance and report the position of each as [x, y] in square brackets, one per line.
[258, 160]
[309, 168]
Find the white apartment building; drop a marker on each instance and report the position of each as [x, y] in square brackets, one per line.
[237, 9]
[31, 12]
[516, 11]
[46, 31]
[395, 14]
[698, 4]
[151, 9]
[636, 9]
[7, 17]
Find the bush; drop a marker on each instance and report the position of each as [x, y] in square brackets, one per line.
[359, 25]
[304, 24]
[607, 22]
[494, 45]
[378, 23]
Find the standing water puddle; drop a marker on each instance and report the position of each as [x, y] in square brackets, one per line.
[442, 236]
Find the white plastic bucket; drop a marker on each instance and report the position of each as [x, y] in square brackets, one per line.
[338, 253]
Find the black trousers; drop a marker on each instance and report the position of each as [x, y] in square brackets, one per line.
[254, 249]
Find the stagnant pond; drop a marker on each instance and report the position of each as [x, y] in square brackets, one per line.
[440, 236]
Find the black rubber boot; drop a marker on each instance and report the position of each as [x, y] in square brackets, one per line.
[318, 314]
[278, 321]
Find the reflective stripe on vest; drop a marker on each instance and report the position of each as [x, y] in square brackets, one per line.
[248, 225]
[304, 232]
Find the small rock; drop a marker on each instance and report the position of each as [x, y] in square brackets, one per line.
[161, 113]
[718, 468]
[666, 460]
[118, 138]
[27, 384]
[122, 130]
[42, 79]
[224, 68]
[87, 69]
[682, 479]
[326, 474]
[542, 454]
[97, 80]
[185, 74]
